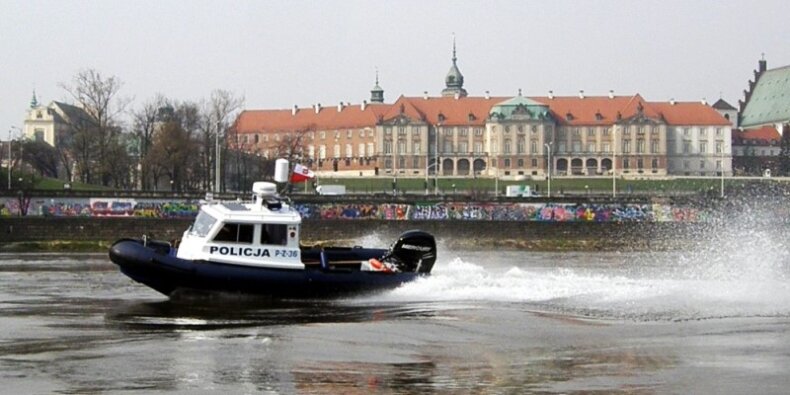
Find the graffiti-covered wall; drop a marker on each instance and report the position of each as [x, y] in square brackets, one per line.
[470, 211]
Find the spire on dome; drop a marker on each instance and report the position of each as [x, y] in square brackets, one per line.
[454, 81]
[34, 100]
[377, 94]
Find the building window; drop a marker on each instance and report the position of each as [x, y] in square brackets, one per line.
[361, 149]
[322, 134]
[401, 147]
[686, 164]
[640, 146]
[591, 147]
[401, 131]
[686, 146]
[448, 131]
[719, 147]
[654, 163]
[606, 131]
[448, 147]
[478, 147]
[533, 147]
[387, 131]
[520, 163]
[591, 132]
[654, 146]
[561, 147]
[576, 132]
[507, 163]
[370, 149]
[626, 163]
[718, 132]
[402, 162]
[701, 164]
[337, 150]
[506, 149]
[703, 147]
[577, 146]
[718, 165]
[349, 134]
[521, 146]
[607, 147]
[640, 164]
[417, 148]
[462, 132]
[702, 131]
[626, 146]
[534, 163]
[415, 161]
[349, 151]
[463, 147]
[387, 147]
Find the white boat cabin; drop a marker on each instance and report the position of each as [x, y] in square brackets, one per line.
[263, 233]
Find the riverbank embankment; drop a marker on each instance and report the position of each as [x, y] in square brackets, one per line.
[96, 234]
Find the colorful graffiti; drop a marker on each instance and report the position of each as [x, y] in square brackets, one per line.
[440, 211]
[101, 207]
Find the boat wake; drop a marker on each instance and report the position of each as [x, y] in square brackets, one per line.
[717, 280]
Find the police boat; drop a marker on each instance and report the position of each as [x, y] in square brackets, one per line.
[254, 248]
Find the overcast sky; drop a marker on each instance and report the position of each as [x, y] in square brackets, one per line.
[277, 54]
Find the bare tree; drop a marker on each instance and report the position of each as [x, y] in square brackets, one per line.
[219, 112]
[144, 123]
[95, 139]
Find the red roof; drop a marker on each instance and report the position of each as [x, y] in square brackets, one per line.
[327, 118]
[473, 111]
[690, 113]
[456, 112]
[766, 134]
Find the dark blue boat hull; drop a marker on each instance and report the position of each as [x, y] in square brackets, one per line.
[155, 265]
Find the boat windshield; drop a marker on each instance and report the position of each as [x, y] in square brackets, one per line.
[203, 224]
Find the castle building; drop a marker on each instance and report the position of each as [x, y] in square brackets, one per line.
[455, 134]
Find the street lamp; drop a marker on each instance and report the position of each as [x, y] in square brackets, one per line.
[722, 168]
[9, 153]
[436, 159]
[548, 164]
[614, 161]
[217, 158]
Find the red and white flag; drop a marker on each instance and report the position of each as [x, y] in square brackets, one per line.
[301, 174]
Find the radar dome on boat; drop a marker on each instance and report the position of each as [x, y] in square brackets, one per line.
[263, 188]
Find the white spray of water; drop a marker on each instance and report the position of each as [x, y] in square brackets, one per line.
[736, 273]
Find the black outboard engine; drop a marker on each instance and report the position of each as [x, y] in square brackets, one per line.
[414, 251]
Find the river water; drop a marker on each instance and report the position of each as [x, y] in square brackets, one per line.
[712, 320]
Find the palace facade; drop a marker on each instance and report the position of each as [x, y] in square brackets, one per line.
[507, 137]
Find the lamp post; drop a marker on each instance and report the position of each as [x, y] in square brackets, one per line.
[614, 161]
[548, 165]
[10, 154]
[217, 159]
[722, 168]
[436, 158]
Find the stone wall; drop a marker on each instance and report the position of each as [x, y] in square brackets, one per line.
[594, 235]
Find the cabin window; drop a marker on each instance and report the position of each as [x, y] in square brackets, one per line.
[275, 234]
[235, 233]
[203, 224]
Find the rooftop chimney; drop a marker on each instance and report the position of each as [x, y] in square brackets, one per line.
[363, 105]
[704, 102]
[551, 94]
[318, 108]
[425, 95]
[672, 101]
[294, 110]
[581, 94]
[488, 95]
[340, 107]
[457, 96]
[611, 94]
[763, 64]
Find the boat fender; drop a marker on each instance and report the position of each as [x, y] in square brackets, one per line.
[379, 266]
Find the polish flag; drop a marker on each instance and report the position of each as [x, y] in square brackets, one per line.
[301, 174]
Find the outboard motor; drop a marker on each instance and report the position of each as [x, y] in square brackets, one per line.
[413, 251]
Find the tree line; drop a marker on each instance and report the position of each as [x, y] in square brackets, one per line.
[163, 143]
